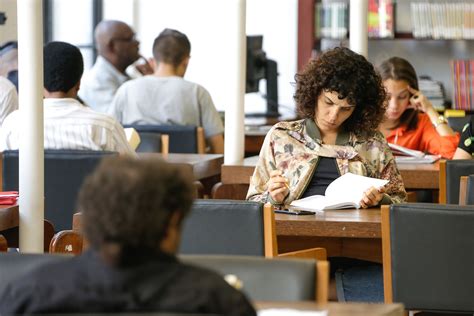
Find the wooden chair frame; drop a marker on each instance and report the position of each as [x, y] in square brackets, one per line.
[201, 140]
[442, 182]
[386, 255]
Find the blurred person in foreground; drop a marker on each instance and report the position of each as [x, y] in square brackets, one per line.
[132, 217]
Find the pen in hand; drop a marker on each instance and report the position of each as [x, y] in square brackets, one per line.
[274, 168]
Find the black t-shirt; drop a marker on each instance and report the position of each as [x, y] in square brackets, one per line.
[325, 173]
[467, 137]
[153, 283]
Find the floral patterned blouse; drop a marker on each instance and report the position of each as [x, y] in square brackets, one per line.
[295, 148]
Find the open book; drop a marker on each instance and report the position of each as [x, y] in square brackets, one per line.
[344, 192]
[405, 155]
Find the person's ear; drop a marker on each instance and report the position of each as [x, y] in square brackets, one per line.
[172, 236]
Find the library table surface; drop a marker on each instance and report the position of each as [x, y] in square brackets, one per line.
[338, 309]
[415, 176]
[347, 232]
[203, 165]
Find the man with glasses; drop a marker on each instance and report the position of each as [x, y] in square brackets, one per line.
[117, 48]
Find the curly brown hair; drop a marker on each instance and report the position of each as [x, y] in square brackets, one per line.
[350, 75]
[127, 203]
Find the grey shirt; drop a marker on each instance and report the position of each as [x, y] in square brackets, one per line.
[153, 100]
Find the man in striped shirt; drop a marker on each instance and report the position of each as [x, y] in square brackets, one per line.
[68, 124]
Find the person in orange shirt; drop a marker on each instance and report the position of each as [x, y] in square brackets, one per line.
[410, 119]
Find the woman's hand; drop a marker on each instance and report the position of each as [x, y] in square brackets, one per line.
[372, 197]
[419, 102]
[278, 186]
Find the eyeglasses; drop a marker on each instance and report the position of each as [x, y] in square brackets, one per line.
[132, 38]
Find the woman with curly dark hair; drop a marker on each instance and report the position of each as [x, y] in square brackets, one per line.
[341, 99]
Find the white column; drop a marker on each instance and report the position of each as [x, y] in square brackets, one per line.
[358, 27]
[31, 163]
[234, 111]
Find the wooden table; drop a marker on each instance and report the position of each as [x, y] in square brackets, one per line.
[203, 165]
[338, 309]
[9, 217]
[415, 176]
[348, 233]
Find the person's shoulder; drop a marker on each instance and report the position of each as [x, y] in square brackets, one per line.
[6, 85]
[295, 126]
[11, 118]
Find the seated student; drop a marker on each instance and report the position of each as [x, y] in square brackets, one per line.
[465, 148]
[341, 98]
[67, 123]
[8, 98]
[117, 48]
[165, 97]
[132, 218]
[404, 125]
[9, 62]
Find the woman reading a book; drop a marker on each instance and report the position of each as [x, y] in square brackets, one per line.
[341, 99]
[411, 120]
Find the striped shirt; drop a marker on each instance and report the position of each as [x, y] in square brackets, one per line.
[70, 125]
[8, 98]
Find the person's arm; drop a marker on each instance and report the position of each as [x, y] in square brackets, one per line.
[420, 102]
[466, 143]
[216, 143]
[462, 154]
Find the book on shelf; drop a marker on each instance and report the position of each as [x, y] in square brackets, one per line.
[462, 73]
[345, 192]
[380, 19]
[405, 155]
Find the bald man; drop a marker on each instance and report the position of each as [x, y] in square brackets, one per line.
[118, 49]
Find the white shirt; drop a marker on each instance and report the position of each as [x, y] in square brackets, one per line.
[98, 87]
[8, 98]
[166, 101]
[70, 125]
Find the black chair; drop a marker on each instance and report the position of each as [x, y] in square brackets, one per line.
[182, 138]
[268, 280]
[428, 256]
[153, 143]
[457, 123]
[64, 172]
[231, 227]
[470, 190]
[450, 172]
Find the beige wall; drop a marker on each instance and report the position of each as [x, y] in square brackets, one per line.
[8, 31]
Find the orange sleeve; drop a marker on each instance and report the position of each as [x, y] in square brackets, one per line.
[432, 142]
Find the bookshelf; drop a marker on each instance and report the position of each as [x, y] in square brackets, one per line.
[430, 57]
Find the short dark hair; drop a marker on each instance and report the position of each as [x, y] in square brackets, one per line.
[63, 66]
[171, 47]
[400, 69]
[350, 75]
[127, 203]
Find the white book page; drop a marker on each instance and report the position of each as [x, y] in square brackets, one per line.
[400, 150]
[344, 192]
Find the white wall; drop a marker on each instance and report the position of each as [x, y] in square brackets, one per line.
[8, 31]
[205, 23]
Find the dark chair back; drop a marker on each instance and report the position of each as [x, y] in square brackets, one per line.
[182, 138]
[428, 256]
[450, 174]
[295, 282]
[470, 190]
[64, 172]
[224, 227]
[149, 143]
[458, 123]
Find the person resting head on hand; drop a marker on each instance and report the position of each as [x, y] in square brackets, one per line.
[341, 99]
[411, 120]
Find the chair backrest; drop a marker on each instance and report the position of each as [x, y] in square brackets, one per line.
[470, 190]
[66, 241]
[450, 172]
[428, 256]
[64, 172]
[265, 279]
[153, 143]
[227, 227]
[182, 138]
[457, 123]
